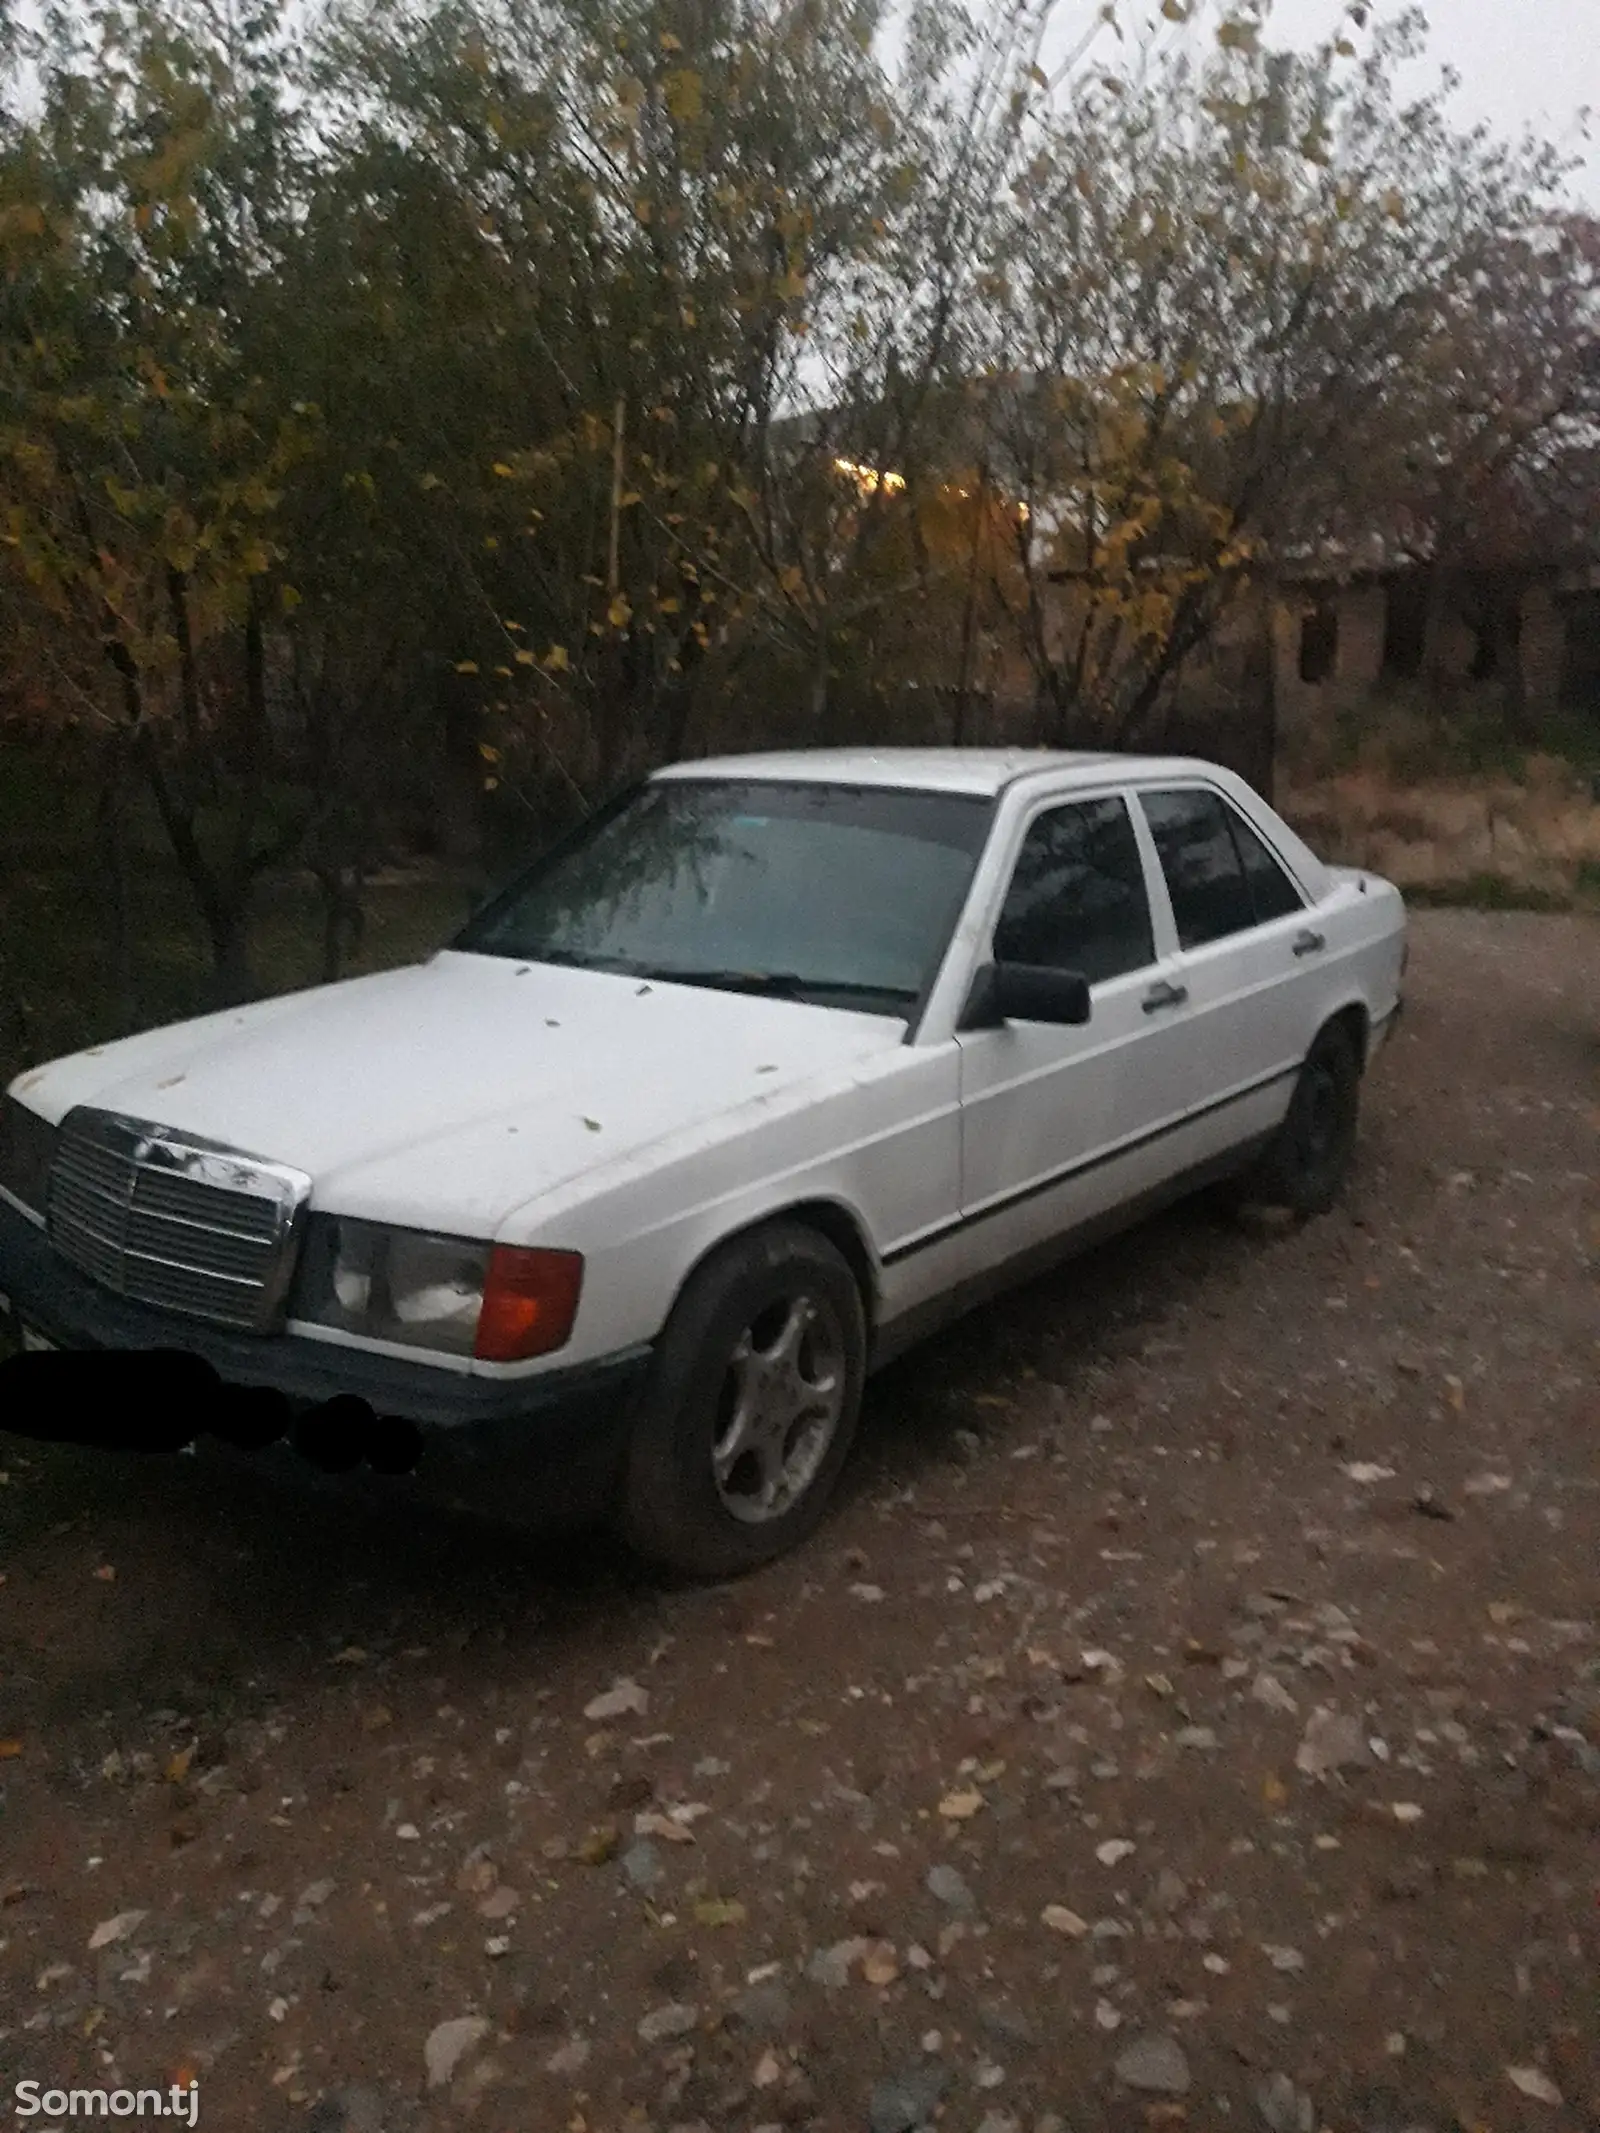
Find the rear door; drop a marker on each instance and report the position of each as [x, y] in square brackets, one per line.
[1250, 954]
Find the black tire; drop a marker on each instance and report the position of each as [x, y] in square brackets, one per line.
[1309, 1159]
[691, 1502]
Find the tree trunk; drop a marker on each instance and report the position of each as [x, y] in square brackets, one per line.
[111, 837]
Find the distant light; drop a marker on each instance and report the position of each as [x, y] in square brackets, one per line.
[868, 479]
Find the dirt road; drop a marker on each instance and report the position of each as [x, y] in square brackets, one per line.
[1192, 1715]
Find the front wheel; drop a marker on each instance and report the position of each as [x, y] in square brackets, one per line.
[1305, 1167]
[750, 1408]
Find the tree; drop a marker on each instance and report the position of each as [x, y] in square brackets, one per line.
[1232, 290]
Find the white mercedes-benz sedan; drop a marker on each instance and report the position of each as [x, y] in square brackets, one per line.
[776, 1063]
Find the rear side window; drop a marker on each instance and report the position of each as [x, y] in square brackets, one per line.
[1077, 900]
[1220, 876]
[1272, 893]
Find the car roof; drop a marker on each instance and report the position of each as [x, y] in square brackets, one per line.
[981, 771]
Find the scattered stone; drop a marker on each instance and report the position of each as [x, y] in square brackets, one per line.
[449, 2044]
[570, 2058]
[765, 2010]
[946, 1886]
[641, 1865]
[356, 2109]
[676, 2019]
[905, 2103]
[1156, 2063]
[1170, 1891]
[1333, 1740]
[1287, 1960]
[831, 1967]
[1202, 1738]
[1007, 2025]
[1285, 2108]
[1114, 1851]
[315, 1895]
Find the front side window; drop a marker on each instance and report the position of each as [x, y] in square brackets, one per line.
[1220, 876]
[1077, 900]
[840, 896]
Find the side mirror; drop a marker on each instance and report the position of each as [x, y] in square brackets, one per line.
[1027, 992]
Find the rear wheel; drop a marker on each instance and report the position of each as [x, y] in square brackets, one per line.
[751, 1406]
[1306, 1166]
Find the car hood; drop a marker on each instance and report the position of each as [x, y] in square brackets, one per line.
[454, 1092]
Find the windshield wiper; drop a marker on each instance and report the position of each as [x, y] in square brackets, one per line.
[778, 984]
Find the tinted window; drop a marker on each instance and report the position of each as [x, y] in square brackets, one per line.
[837, 894]
[1210, 896]
[1272, 893]
[1077, 899]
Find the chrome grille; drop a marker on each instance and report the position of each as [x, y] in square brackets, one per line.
[175, 1221]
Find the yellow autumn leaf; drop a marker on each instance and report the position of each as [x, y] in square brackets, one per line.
[525, 658]
[718, 1911]
[502, 469]
[466, 666]
[490, 755]
[556, 659]
[620, 612]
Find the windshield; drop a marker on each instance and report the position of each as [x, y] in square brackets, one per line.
[836, 895]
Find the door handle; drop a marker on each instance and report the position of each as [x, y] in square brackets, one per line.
[1164, 995]
[1309, 943]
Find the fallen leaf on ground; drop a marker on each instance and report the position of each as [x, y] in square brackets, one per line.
[115, 1929]
[1061, 1920]
[720, 1911]
[449, 2044]
[624, 1700]
[961, 1806]
[1529, 2081]
[663, 1826]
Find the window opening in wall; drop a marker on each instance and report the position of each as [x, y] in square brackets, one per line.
[1405, 626]
[1319, 642]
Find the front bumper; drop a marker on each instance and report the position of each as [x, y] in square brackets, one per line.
[138, 1378]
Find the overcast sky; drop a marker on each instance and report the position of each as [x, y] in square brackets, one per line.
[1522, 63]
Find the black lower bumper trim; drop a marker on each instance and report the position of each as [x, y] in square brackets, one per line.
[128, 1376]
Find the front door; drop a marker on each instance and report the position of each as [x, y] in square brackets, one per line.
[1058, 1124]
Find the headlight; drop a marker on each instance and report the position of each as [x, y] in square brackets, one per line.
[456, 1295]
[27, 1146]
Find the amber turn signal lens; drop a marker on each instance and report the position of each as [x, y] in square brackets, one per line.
[530, 1299]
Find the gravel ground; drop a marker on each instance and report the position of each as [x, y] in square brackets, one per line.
[1192, 1714]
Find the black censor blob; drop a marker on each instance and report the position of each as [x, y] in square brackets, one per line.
[161, 1399]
